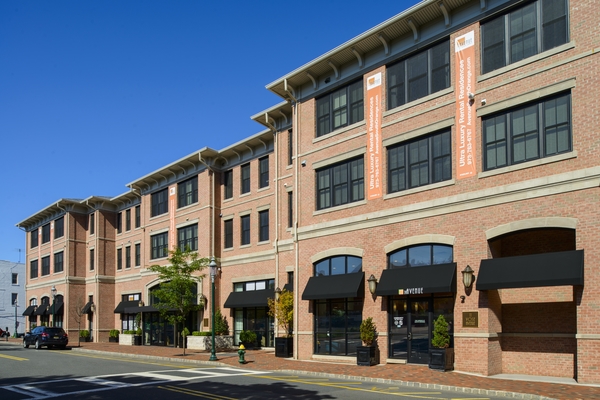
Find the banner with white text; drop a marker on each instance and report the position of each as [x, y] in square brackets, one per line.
[374, 115]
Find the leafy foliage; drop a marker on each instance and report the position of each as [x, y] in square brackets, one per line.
[247, 337]
[114, 333]
[441, 337]
[221, 324]
[282, 309]
[368, 331]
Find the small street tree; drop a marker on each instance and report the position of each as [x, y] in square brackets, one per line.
[282, 309]
[177, 292]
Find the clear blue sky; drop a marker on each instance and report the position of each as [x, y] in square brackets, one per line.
[95, 94]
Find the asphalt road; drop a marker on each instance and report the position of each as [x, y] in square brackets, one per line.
[41, 374]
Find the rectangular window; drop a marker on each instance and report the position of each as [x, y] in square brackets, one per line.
[45, 266]
[228, 183]
[33, 269]
[119, 222]
[138, 216]
[187, 192]
[340, 108]
[92, 260]
[263, 226]
[245, 178]
[419, 75]
[245, 225]
[263, 166]
[160, 202]
[340, 183]
[160, 245]
[290, 202]
[13, 298]
[45, 233]
[228, 235]
[59, 227]
[58, 262]
[128, 220]
[15, 278]
[92, 223]
[128, 257]
[290, 147]
[523, 32]
[188, 237]
[119, 258]
[419, 162]
[533, 131]
[138, 254]
[33, 238]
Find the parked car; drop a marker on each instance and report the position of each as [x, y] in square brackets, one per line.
[46, 336]
[4, 333]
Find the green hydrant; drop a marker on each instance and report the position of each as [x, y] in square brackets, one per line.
[242, 353]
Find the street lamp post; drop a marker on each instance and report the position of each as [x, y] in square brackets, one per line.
[16, 323]
[213, 271]
[53, 291]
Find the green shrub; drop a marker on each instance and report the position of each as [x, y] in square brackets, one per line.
[129, 332]
[201, 333]
[185, 332]
[247, 337]
[138, 332]
[221, 324]
[114, 333]
[441, 336]
[368, 331]
[84, 333]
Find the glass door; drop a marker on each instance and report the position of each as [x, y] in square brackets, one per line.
[409, 330]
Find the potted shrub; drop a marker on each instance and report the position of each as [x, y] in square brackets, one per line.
[84, 335]
[137, 339]
[441, 355]
[223, 340]
[282, 309]
[366, 354]
[113, 336]
[198, 340]
[248, 339]
[127, 338]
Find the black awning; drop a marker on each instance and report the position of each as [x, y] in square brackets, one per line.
[439, 278]
[42, 310]
[138, 309]
[563, 268]
[334, 286]
[29, 310]
[251, 298]
[126, 304]
[87, 308]
[289, 287]
[57, 308]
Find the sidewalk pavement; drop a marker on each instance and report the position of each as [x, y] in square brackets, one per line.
[410, 375]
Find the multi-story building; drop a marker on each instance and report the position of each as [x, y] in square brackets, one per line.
[454, 140]
[12, 296]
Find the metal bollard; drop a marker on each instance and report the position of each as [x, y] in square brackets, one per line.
[242, 353]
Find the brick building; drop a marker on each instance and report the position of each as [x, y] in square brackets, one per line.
[458, 135]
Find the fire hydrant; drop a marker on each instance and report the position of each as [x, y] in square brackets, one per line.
[242, 353]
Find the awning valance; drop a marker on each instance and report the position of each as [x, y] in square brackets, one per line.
[29, 310]
[334, 286]
[563, 268]
[251, 298]
[138, 309]
[439, 278]
[42, 310]
[87, 308]
[126, 304]
[57, 308]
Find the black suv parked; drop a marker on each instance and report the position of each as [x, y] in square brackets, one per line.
[46, 336]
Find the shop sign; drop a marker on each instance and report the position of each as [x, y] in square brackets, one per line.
[470, 319]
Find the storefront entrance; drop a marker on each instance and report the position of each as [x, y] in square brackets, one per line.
[409, 330]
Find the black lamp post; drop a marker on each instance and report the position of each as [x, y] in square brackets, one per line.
[53, 291]
[213, 272]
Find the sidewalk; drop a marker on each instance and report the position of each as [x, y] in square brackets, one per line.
[399, 374]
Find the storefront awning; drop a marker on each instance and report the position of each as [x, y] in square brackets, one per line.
[334, 286]
[58, 308]
[289, 287]
[563, 268]
[138, 309]
[439, 278]
[42, 310]
[29, 310]
[251, 298]
[126, 304]
[87, 308]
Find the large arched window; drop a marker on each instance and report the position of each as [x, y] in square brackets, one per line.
[338, 265]
[420, 255]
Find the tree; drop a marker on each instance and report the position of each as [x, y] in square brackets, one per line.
[78, 314]
[177, 295]
[441, 337]
[282, 309]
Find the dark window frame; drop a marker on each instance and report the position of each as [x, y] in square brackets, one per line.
[331, 265]
[435, 250]
[46, 266]
[290, 147]
[92, 223]
[333, 190]
[188, 236]
[331, 115]
[548, 28]
[159, 245]
[33, 269]
[187, 192]
[34, 239]
[92, 259]
[228, 234]
[15, 278]
[128, 220]
[228, 184]
[59, 227]
[138, 254]
[290, 211]
[45, 233]
[119, 222]
[499, 151]
[119, 259]
[263, 225]
[159, 202]
[138, 216]
[263, 172]
[245, 230]
[245, 178]
[59, 261]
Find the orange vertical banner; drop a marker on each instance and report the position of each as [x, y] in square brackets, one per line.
[464, 50]
[374, 115]
[172, 231]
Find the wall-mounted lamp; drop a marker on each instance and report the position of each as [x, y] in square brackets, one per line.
[483, 102]
[468, 277]
[277, 293]
[141, 303]
[303, 163]
[471, 96]
[372, 284]
[93, 308]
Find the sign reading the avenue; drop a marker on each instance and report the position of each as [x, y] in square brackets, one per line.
[414, 290]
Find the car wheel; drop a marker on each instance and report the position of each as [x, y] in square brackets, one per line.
[38, 345]
[25, 344]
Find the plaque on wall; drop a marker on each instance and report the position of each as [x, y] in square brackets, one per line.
[470, 319]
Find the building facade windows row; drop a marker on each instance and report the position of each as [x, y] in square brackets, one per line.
[45, 265]
[246, 178]
[245, 230]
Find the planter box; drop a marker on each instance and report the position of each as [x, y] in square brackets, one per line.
[113, 339]
[137, 340]
[441, 359]
[366, 355]
[284, 347]
[84, 339]
[205, 342]
[126, 339]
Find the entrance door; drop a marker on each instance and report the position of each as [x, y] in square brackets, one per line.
[409, 330]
